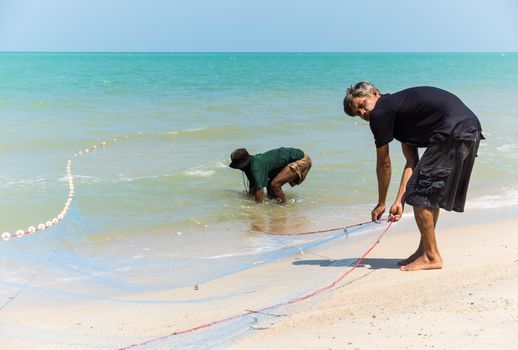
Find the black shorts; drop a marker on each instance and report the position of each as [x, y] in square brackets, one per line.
[441, 178]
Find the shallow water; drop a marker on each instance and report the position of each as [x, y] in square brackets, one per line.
[178, 116]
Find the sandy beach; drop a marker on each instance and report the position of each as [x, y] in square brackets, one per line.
[469, 304]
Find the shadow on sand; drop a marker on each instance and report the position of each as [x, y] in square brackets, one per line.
[372, 263]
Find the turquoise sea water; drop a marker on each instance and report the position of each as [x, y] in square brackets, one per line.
[157, 196]
[184, 114]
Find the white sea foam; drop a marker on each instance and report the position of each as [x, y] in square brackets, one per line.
[231, 255]
[220, 164]
[508, 149]
[198, 172]
[6, 182]
[82, 179]
[178, 132]
[124, 178]
[507, 198]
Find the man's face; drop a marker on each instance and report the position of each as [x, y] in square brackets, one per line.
[363, 105]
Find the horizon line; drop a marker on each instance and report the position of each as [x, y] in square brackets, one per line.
[265, 52]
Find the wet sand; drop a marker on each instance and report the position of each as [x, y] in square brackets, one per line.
[472, 303]
[469, 304]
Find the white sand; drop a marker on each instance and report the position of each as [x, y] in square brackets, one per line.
[472, 303]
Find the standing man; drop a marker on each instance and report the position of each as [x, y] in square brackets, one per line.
[420, 117]
[271, 169]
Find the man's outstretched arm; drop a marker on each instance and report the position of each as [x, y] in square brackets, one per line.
[383, 172]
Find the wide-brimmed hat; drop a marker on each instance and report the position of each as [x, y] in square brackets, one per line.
[239, 158]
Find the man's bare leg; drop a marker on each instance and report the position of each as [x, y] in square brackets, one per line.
[285, 175]
[429, 257]
[419, 250]
[269, 191]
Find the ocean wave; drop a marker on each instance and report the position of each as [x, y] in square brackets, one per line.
[199, 172]
[220, 164]
[82, 179]
[186, 131]
[256, 129]
[232, 255]
[217, 132]
[6, 182]
[124, 178]
[508, 148]
[88, 180]
[507, 198]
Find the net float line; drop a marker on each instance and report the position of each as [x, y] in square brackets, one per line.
[70, 198]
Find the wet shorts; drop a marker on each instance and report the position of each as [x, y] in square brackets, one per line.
[301, 168]
[441, 178]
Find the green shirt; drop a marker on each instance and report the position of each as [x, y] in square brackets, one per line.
[265, 166]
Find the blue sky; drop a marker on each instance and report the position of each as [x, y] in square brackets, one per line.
[259, 25]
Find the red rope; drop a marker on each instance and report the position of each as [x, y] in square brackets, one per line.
[292, 301]
[318, 231]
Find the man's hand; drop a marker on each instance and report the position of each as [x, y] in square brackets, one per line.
[396, 211]
[259, 196]
[378, 211]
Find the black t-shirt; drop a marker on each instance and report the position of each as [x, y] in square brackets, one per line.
[419, 116]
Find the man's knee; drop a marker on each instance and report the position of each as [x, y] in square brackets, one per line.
[425, 215]
[275, 185]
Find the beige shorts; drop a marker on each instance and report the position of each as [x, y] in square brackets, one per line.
[301, 168]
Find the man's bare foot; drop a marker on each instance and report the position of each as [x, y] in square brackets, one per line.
[411, 258]
[423, 263]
